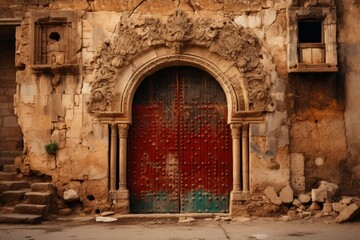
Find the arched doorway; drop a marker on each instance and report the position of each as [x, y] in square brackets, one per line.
[179, 151]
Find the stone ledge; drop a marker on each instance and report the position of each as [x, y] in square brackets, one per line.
[71, 69]
[242, 117]
[109, 117]
[10, 21]
[311, 68]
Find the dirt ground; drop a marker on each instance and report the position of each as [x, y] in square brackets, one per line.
[167, 228]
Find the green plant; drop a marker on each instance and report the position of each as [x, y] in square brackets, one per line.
[51, 148]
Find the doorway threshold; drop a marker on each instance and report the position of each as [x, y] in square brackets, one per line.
[169, 215]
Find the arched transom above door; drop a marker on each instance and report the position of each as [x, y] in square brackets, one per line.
[144, 44]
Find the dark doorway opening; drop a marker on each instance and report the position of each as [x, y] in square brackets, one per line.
[11, 137]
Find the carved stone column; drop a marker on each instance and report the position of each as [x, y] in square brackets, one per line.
[122, 196]
[123, 132]
[245, 157]
[235, 134]
[113, 152]
[237, 197]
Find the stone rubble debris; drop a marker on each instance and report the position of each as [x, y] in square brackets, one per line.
[314, 206]
[287, 195]
[155, 222]
[304, 198]
[324, 192]
[226, 219]
[347, 200]
[272, 195]
[327, 208]
[338, 207]
[348, 213]
[105, 219]
[217, 218]
[318, 215]
[70, 195]
[296, 203]
[186, 219]
[107, 213]
[305, 214]
[317, 204]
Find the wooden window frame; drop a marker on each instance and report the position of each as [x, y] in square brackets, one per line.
[328, 61]
[67, 21]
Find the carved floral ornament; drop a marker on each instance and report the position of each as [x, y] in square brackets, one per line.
[135, 36]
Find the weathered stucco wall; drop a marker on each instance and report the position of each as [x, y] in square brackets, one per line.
[52, 110]
[349, 51]
[325, 121]
[317, 129]
[304, 138]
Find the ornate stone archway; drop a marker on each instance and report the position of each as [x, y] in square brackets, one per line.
[141, 46]
[227, 45]
[236, 99]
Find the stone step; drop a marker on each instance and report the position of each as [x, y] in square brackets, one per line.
[35, 209]
[9, 168]
[6, 209]
[13, 185]
[13, 196]
[6, 161]
[42, 187]
[7, 176]
[44, 198]
[10, 154]
[20, 218]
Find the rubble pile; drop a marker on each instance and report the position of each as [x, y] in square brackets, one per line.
[318, 203]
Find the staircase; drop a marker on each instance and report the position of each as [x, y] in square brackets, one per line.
[21, 201]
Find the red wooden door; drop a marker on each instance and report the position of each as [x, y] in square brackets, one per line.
[180, 157]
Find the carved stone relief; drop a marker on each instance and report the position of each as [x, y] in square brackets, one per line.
[134, 36]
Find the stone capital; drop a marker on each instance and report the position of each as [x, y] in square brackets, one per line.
[235, 130]
[123, 130]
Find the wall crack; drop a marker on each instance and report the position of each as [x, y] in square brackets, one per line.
[136, 7]
[224, 231]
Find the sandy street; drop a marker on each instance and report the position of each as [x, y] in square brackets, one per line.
[170, 229]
